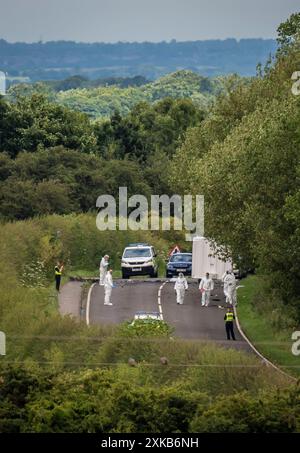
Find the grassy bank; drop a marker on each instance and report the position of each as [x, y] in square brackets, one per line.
[266, 325]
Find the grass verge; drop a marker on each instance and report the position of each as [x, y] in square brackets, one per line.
[275, 344]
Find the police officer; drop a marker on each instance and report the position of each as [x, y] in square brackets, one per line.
[228, 318]
[58, 271]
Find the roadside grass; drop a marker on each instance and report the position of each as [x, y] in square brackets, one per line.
[117, 273]
[38, 337]
[275, 344]
[191, 365]
[85, 273]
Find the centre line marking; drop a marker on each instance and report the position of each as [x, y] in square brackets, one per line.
[88, 304]
[159, 301]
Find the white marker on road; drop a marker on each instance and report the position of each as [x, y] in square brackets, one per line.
[159, 301]
[88, 304]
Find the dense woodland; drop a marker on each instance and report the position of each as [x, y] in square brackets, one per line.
[102, 97]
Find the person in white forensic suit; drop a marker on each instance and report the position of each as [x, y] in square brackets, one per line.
[230, 288]
[180, 287]
[225, 284]
[103, 269]
[108, 286]
[206, 286]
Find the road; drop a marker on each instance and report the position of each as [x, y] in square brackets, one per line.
[190, 320]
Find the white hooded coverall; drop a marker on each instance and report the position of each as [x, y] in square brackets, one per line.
[230, 289]
[108, 286]
[103, 271]
[206, 285]
[180, 286]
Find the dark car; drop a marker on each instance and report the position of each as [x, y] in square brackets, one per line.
[179, 262]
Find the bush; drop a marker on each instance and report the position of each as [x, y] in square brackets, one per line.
[145, 328]
[120, 400]
[268, 412]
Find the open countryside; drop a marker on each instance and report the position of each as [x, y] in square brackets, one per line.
[130, 331]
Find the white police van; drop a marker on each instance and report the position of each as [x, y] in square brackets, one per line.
[139, 259]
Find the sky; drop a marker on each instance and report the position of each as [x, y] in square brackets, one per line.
[141, 20]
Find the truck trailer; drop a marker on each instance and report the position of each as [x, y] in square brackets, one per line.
[205, 260]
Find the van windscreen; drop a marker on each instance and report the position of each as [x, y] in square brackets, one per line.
[137, 253]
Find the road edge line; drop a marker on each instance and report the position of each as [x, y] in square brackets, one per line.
[265, 360]
[88, 303]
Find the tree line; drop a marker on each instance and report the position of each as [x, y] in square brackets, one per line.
[55, 160]
[102, 97]
[60, 59]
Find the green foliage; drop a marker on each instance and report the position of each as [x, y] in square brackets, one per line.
[28, 306]
[148, 130]
[62, 181]
[289, 32]
[50, 389]
[34, 274]
[106, 98]
[269, 412]
[35, 122]
[114, 401]
[132, 151]
[268, 322]
[244, 159]
[56, 161]
[145, 327]
[184, 84]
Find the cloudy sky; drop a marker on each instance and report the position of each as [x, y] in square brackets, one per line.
[141, 20]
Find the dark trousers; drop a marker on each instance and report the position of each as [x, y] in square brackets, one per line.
[57, 281]
[229, 330]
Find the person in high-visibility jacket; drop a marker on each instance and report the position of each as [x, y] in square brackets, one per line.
[229, 318]
[58, 271]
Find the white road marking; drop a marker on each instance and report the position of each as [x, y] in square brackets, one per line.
[88, 304]
[159, 301]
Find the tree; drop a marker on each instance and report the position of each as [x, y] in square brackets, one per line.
[289, 33]
[34, 123]
[244, 159]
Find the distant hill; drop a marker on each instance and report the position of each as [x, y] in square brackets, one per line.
[61, 59]
[104, 100]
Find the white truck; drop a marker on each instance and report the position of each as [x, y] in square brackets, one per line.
[204, 260]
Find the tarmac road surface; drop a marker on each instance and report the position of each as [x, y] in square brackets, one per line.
[190, 320]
